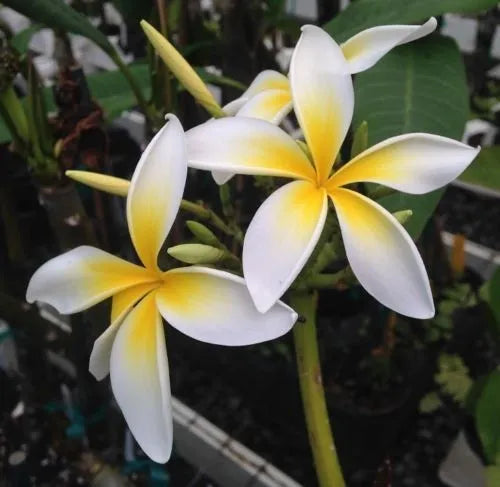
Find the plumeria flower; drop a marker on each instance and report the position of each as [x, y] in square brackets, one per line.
[286, 228]
[204, 303]
[269, 97]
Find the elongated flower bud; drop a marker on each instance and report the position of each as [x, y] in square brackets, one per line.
[197, 253]
[202, 233]
[182, 70]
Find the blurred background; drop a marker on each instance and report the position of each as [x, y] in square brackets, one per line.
[412, 403]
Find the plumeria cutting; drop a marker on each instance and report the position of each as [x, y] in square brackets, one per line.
[286, 228]
[204, 303]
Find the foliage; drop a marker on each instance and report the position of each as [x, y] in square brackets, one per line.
[418, 87]
[453, 377]
[487, 423]
[58, 15]
[364, 14]
[485, 170]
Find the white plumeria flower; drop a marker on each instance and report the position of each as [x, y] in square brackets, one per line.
[206, 304]
[287, 226]
[269, 98]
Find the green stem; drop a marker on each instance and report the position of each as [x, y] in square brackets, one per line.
[325, 457]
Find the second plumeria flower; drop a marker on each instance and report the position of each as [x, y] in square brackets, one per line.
[286, 228]
[204, 303]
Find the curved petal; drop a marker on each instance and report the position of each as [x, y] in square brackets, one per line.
[82, 277]
[140, 381]
[122, 304]
[280, 239]
[270, 105]
[232, 107]
[382, 255]
[267, 80]
[246, 146]
[413, 163]
[222, 177]
[323, 96]
[156, 191]
[102, 182]
[365, 49]
[215, 307]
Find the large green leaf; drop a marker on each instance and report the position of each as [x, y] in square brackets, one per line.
[112, 91]
[363, 14]
[418, 87]
[56, 14]
[485, 170]
[493, 476]
[488, 417]
[490, 293]
[21, 40]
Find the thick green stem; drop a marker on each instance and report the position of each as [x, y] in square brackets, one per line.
[326, 462]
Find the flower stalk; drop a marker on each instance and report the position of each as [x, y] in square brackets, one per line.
[327, 465]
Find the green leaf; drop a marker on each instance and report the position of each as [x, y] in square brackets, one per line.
[418, 87]
[4, 132]
[21, 40]
[58, 15]
[133, 10]
[485, 170]
[493, 476]
[112, 91]
[364, 14]
[488, 417]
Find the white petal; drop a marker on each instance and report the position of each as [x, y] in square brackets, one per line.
[232, 107]
[156, 191]
[246, 146]
[82, 277]
[280, 239]
[363, 50]
[215, 307]
[122, 304]
[382, 255]
[140, 381]
[222, 177]
[270, 105]
[413, 163]
[267, 80]
[323, 96]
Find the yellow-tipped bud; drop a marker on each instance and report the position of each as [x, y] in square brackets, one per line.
[197, 254]
[202, 233]
[402, 216]
[182, 70]
[102, 182]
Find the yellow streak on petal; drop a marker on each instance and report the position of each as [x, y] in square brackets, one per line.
[124, 300]
[361, 217]
[270, 82]
[113, 273]
[102, 182]
[353, 48]
[304, 204]
[141, 340]
[267, 105]
[322, 129]
[189, 294]
[381, 164]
